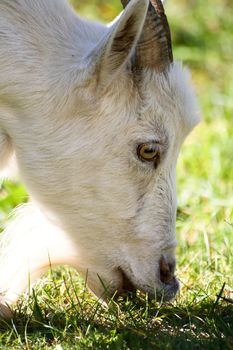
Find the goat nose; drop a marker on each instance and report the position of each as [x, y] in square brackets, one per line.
[166, 270]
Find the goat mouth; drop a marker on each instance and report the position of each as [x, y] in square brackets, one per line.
[169, 285]
[167, 288]
[126, 284]
[168, 291]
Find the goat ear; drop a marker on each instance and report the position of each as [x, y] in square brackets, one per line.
[116, 48]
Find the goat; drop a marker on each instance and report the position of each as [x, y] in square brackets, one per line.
[94, 117]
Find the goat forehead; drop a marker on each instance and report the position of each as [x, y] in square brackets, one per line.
[169, 98]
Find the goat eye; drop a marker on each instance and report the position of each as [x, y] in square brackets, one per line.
[149, 152]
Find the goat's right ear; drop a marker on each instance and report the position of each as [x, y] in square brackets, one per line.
[115, 49]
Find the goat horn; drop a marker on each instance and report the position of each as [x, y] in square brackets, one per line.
[154, 48]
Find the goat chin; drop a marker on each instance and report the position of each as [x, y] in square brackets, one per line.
[26, 253]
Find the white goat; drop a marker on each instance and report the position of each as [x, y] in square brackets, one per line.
[95, 117]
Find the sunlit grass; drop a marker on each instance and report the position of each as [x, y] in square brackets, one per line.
[62, 314]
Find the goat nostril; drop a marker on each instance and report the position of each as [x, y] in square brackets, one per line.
[166, 271]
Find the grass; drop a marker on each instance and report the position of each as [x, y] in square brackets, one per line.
[61, 314]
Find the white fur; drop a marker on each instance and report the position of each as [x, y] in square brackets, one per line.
[72, 114]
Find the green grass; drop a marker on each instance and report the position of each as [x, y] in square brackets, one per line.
[62, 314]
